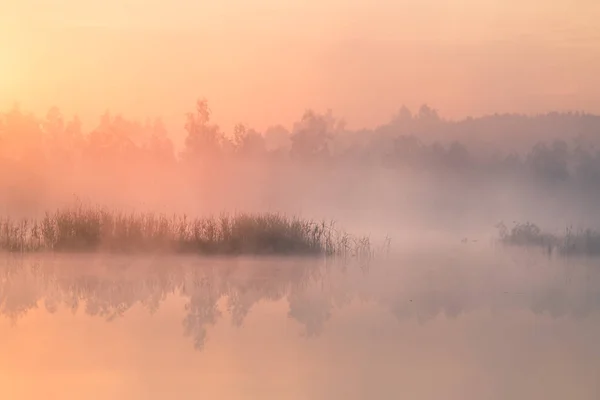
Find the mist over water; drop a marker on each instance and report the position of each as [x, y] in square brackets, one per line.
[417, 176]
[438, 308]
[435, 235]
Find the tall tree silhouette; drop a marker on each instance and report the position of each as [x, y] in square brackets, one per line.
[204, 140]
[312, 136]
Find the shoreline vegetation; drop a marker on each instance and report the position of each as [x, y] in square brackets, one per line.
[583, 242]
[83, 229]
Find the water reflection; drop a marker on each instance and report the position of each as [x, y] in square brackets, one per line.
[415, 287]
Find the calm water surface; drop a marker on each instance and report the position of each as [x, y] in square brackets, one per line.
[461, 324]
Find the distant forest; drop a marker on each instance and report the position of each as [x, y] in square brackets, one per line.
[549, 149]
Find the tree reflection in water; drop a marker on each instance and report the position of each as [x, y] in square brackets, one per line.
[107, 287]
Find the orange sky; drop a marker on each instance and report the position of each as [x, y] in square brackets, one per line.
[264, 61]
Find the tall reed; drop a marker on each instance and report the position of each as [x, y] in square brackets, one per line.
[89, 229]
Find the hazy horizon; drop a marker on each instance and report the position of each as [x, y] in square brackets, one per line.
[325, 199]
[264, 62]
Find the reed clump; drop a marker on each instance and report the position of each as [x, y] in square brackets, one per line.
[583, 242]
[96, 229]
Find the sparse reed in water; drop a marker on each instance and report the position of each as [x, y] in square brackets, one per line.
[96, 229]
[584, 242]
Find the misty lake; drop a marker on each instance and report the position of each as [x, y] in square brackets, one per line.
[464, 323]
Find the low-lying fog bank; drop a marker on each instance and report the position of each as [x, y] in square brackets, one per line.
[416, 178]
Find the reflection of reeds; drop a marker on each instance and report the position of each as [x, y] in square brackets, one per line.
[583, 242]
[85, 228]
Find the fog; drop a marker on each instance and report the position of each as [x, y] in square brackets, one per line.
[415, 177]
[345, 199]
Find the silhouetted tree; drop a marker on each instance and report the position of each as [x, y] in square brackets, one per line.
[457, 156]
[23, 137]
[428, 114]
[160, 146]
[312, 135]
[112, 140]
[248, 142]
[587, 168]
[549, 163]
[277, 138]
[203, 140]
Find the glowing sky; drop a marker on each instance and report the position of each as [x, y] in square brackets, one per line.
[264, 61]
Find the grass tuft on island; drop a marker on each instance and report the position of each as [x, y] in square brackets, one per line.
[583, 242]
[96, 229]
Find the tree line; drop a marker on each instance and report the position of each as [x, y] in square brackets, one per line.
[551, 147]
